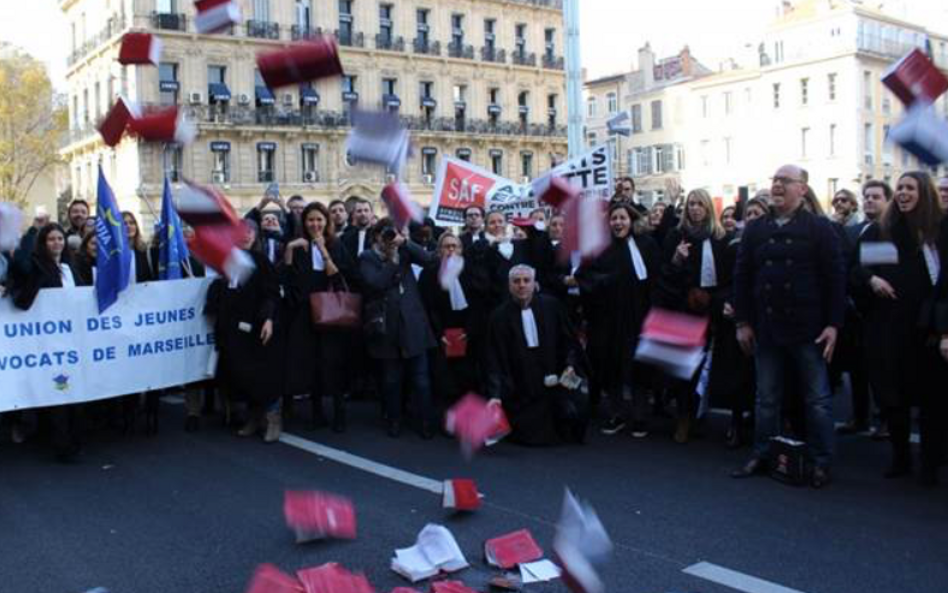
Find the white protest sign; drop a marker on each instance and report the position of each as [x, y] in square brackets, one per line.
[62, 351]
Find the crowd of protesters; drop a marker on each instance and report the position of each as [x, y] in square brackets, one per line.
[794, 312]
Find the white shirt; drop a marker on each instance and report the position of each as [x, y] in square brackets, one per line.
[68, 280]
[575, 259]
[638, 264]
[932, 262]
[319, 264]
[530, 328]
[132, 271]
[709, 274]
[457, 296]
[271, 250]
[361, 246]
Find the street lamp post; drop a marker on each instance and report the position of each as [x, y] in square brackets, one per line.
[574, 78]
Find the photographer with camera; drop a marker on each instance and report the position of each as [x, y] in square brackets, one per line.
[397, 331]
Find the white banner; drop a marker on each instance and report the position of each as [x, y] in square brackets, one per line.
[62, 351]
[461, 185]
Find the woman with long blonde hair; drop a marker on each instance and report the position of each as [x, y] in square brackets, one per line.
[695, 278]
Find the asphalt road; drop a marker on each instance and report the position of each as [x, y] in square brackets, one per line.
[198, 512]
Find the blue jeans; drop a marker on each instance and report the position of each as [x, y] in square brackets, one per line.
[393, 372]
[806, 361]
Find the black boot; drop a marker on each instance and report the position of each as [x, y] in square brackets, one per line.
[339, 414]
[319, 416]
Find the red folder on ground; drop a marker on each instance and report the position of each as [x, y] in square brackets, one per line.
[450, 587]
[460, 494]
[512, 549]
[270, 579]
[915, 78]
[455, 342]
[315, 515]
[332, 578]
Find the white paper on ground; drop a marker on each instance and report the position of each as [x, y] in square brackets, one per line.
[539, 571]
[435, 550]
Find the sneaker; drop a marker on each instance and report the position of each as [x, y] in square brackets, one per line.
[639, 430]
[614, 425]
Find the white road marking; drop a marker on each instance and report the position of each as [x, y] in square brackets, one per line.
[735, 580]
[367, 465]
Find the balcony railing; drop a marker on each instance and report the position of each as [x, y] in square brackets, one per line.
[263, 29]
[430, 48]
[354, 39]
[389, 43]
[460, 50]
[492, 54]
[557, 4]
[294, 117]
[169, 21]
[554, 62]
[113, 27]
[522, 58]
[297, 32]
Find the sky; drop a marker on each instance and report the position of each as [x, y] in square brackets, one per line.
[611, 31]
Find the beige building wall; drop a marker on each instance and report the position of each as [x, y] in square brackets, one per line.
[136, 170]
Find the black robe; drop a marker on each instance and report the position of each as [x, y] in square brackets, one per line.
[516, 373]
[901, 356]
[616, 303]
[316, 359]
[247, 368]
[452, 377]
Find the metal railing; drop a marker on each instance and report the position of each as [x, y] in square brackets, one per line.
[263, 29]
[557, 4]
[281, 117]
[169, 21]
[297, 32]
[522, 58]
[430, 48]
[389, 43]
[492, 54]
[354, 39]
[461, 51]
[554, 62]
[113, 26]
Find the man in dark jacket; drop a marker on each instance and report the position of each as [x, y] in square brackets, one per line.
[790, 301]
[398, 334]
[875, 197]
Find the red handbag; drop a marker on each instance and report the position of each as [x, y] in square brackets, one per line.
[339, 309]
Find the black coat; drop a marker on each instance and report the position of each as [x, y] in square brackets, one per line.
[731, 383]
[310, 350]
[391, 292]
[790, 281]
[616, 303]
[29, 276]
[678, 282]
[516, 373]
[143, 270]
[249, 369]
[535, 251]
[350, 238]
[900, 351]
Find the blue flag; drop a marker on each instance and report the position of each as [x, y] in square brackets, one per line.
[172, 249]
[114, 258]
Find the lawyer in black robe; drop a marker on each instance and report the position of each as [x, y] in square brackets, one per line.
[539, 413]
[616, 295]
[317, 359]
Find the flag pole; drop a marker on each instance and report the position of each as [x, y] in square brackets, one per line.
[574, 75]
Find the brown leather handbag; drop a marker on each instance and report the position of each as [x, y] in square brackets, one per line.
[336, 309]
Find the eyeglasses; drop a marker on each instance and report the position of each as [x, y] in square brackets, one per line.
[785, 180]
